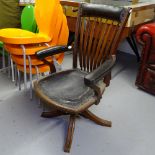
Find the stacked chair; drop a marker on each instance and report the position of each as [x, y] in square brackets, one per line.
[28, 22]
[23, 44]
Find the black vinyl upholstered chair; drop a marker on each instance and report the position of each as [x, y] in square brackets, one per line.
[72, 92]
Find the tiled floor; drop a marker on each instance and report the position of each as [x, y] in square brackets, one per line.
[132, 112]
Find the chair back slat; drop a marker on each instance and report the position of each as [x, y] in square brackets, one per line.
[106, 46]
[86, 35]
[102, 43]
[97, 34]
[99, 31]
[90, 42]
[81, 42]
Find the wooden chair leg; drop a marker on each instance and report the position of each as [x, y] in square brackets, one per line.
[53, 113]
[94, 118]
[70, 133]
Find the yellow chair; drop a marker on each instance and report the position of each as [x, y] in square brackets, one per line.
[45, 14]
[28, 22]
[33, 65]
[61, 35]
[15, 50]
[22, 42]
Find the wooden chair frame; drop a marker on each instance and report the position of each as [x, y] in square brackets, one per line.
[98, 32]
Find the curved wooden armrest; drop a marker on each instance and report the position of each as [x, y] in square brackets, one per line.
[100, 72]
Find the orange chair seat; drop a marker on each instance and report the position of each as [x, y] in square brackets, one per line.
[41, 69]
[30, 49]
[19, 36]
[34, 61]
[17, 55]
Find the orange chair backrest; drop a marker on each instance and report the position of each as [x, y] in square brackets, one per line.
[64, 33]
[46, 12]
[57, 29]
[62, 38]
[61, 33]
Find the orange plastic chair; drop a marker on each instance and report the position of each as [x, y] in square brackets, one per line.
[45, 10]
[21, 42]
[33, 65]
[28, 22]
[61, 32]
[15, 50]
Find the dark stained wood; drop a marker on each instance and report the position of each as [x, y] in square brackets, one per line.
[99, 31]
[101, 42]
[58, 106]
[69, 3]
[97, 120]
[87, 31]
[90, 42]
[81, 42]
[106, 45]
[98, 39]
[70, 133]
[107, 79]
[53, 113]
[71, 21]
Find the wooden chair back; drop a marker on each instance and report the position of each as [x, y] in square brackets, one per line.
[98, 32]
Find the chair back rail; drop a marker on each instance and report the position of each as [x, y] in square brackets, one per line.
[98, 32]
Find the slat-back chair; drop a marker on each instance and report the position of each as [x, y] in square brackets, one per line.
[73, 91]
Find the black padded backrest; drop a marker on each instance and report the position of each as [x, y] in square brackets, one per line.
[103, 11]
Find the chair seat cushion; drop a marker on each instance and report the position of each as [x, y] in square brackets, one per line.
[67, 88]
[20, 36]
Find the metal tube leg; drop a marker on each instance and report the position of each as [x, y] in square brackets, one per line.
[24, 59]
[12, 70]
[3, 58]
[15, 75]
[30, 68]
[70, 133]
[39, 103]
[37, 70]
[19, 82]
[9, 59]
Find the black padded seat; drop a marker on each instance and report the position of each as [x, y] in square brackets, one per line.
[67, 88]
